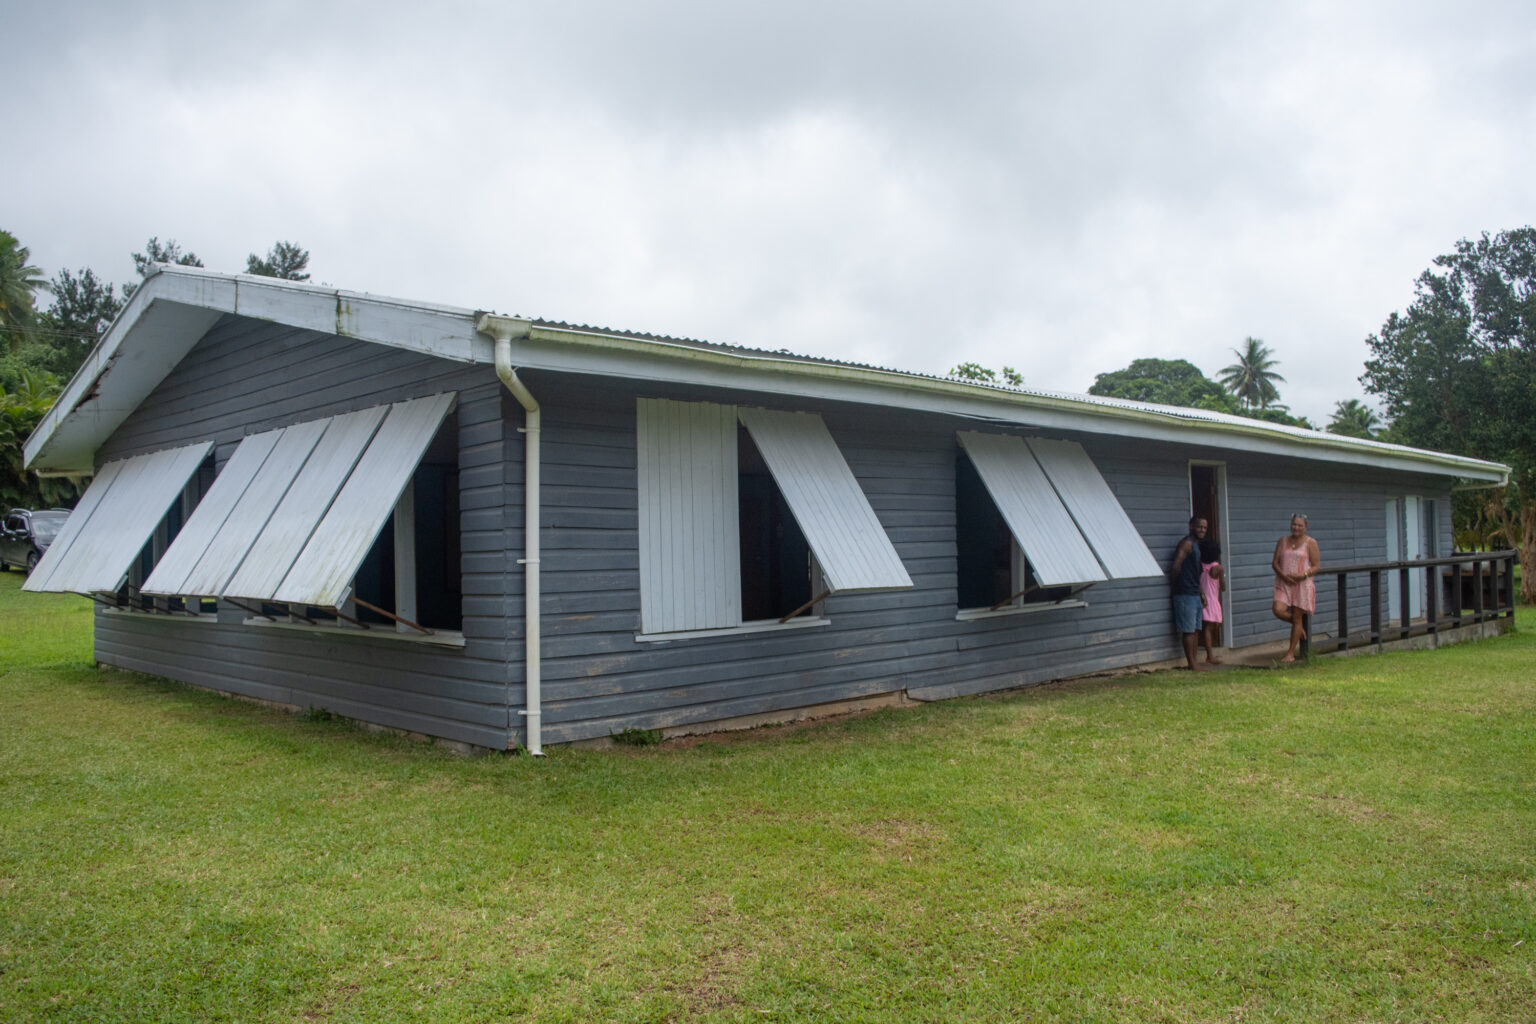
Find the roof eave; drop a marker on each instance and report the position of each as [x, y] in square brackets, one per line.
[988, 402]
[175, 306]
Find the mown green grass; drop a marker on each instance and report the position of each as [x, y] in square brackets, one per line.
[1350, 841]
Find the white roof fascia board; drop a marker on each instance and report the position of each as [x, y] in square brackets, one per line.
[103, 393]
[1094, 507]
[771, 373]
[112, 382]
[322, 574]
[176, 566]
[124, 518]
[249, 515]
[1039, 522]
[175, 306]
[839, 525]
[302, 509]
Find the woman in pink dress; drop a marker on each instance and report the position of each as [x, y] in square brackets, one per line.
[1296, 562]
[1212, 583]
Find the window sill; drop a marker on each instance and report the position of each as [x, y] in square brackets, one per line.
[441, 638]
[764, 626]
[968, 614]
[162, 614]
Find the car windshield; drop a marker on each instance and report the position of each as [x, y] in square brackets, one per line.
[45, 527]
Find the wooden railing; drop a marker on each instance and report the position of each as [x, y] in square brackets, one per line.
[1478, 586]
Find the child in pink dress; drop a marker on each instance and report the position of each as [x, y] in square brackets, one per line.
[1212, 583]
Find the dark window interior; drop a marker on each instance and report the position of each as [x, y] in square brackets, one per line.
[983, 545]
[438, 590]
[775, 558]
[160, 541]
[984, 548]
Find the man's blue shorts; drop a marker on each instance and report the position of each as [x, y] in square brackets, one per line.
[1186, 613]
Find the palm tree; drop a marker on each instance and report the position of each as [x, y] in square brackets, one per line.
[1354, 419]
[1252, 378]
[19, 284]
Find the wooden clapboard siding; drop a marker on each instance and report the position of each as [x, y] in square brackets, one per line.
[1344, 509]
[598, 678]
[246, 376]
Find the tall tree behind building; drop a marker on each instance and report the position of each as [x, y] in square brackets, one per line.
[1457, 370]
[286, 260]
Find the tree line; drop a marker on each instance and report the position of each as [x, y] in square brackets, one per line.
[1246, 388]
[1456, 370]
[41, 346]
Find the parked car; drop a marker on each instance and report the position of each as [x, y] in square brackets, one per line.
[27, 534]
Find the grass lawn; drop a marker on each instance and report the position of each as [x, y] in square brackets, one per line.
[1349, 841]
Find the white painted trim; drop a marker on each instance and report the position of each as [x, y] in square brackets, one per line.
[198, 617]
[190, 301]
[972, 614]
[439, 638]
[758, 626]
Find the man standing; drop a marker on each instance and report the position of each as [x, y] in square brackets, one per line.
[1187, 599]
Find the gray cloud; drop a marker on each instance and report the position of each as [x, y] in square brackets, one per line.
[1061, 187]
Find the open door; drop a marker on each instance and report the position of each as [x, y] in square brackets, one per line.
[1208, 499]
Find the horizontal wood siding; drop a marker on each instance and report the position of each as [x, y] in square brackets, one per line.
[598, 679]
[1345, 515]
[246, 376]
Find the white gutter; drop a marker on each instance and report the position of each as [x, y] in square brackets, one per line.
[504, 329]
[1166, 423]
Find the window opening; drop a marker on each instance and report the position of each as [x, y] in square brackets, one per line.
[776, 565]
[991, 570]
[130, 595]
[426, 562]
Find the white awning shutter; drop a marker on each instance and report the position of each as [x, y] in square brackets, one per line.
[842, 529]
[1039, 522]
[690, 534]
[296, 510]
[113, 521]
[1095, 509]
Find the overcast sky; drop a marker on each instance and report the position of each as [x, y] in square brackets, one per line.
[1061, 187]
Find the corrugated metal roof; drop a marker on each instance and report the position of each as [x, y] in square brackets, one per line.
[1184, 413]
[176, 305]
[842, 529]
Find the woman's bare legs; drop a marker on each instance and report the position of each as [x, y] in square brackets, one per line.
[1294, 616]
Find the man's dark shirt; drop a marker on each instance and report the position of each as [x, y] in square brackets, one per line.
[1188, 580]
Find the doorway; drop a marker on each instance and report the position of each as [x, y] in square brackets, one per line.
[1208, 499]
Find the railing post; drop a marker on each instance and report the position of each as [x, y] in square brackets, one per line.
[1509, 583]
[1304, 651]
[1405, 605]
[1343, 611]
[1432, 599]
[1456, 601]
[1477, 589]
[1496, 581]
[1376, 607]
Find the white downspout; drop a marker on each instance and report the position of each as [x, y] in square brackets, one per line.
[504, 329]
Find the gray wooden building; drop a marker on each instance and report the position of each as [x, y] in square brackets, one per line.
[510, 532]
